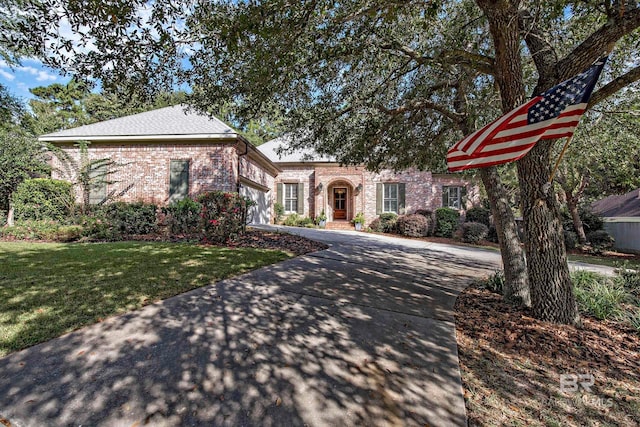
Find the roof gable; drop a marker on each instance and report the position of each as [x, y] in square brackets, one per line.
[164, 122]
[625, 205]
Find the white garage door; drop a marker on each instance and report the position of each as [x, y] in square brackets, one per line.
[258, 214]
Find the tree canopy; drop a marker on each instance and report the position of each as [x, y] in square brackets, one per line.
[384, 83]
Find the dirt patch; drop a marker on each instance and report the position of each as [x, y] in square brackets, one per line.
[512, 365]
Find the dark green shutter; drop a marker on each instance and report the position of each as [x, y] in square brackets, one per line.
[300, 198]
[463, 197]
[379, 189]
[280, 194]
[97, 183]
[445, 196]
[178, 180]
[401, 198]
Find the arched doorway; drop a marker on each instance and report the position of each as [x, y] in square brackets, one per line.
[340, 200]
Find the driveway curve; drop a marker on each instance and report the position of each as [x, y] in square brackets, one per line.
[359, 334]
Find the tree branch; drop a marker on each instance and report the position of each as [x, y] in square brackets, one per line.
[599, 43]
[422, 105]
[476, 61]
[614, 86]
[542, 52]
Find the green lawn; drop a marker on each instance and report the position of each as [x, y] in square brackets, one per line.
[47, 289]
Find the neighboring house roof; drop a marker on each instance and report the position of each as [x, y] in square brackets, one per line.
[308, 155]
[625, 205]
[164, 123]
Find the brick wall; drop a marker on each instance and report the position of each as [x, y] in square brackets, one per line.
[145, 167]
[423, 190]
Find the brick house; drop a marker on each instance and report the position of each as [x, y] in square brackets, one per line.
[169, 153]
[309, 184]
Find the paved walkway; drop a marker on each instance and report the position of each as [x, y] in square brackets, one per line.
[359, 334]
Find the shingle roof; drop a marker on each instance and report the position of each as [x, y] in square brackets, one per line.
[625, 205]
[270, 149]
[162, 122]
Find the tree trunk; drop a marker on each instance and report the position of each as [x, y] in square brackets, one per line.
[552, 296]
[10, 214]
[572, 206]
[516, 290]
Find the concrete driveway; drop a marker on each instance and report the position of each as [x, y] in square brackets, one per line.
[359, 334]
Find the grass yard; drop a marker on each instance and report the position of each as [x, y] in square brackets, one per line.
[48, 289]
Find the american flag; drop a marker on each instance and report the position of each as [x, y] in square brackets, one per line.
[554, 114]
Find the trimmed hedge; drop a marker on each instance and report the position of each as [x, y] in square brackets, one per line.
[447, 221]
[478, 214]
[385, 223]
[131, 218]
[413, 225]
[223, 215]
[183, 217]
[42, 198]
[474, 232]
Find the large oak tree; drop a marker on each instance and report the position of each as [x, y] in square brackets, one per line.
[384, 83]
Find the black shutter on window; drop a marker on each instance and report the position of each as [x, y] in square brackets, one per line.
[401, 198]
[301, 198]
[379, 190]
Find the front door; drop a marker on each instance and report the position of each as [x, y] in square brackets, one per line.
[339, 203]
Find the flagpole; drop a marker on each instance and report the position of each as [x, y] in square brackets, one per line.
[555, 168]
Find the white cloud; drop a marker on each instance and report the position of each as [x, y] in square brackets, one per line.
[8, 76]
[40, 75]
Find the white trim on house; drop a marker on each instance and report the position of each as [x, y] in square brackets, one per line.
[121, 138]
[621, 219]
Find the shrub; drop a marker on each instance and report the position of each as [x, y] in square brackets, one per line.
[495, 282]
[424, 212]
[131, 218]
[292, 220]
[183, 217]
[97, 227]
[376, 226]
[629, 278]
[388, 222]
[479, 214]
[68, 233]
[600, 241]
[413, 225]
[570, 239]
[223, 215]
[43, 230]
[492, 235]
[304, 222]
[590, 221]
[474, 232]
[3, 218]
[597, 295]
[42, 198]
[278, 210]
[447, 221]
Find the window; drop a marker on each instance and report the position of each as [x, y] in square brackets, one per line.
[452, 197]
[390, 198]
[290, 198]
[178, 180]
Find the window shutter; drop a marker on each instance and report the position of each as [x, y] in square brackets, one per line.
[301, 198]
[463, 197]
[379, 189]
[178, 180]
[401, 197]
[445, 196]
[97, 183]
[280, 194]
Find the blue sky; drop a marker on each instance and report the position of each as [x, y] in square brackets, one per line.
[31, 73]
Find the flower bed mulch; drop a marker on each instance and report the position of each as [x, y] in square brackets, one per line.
[512, 364]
